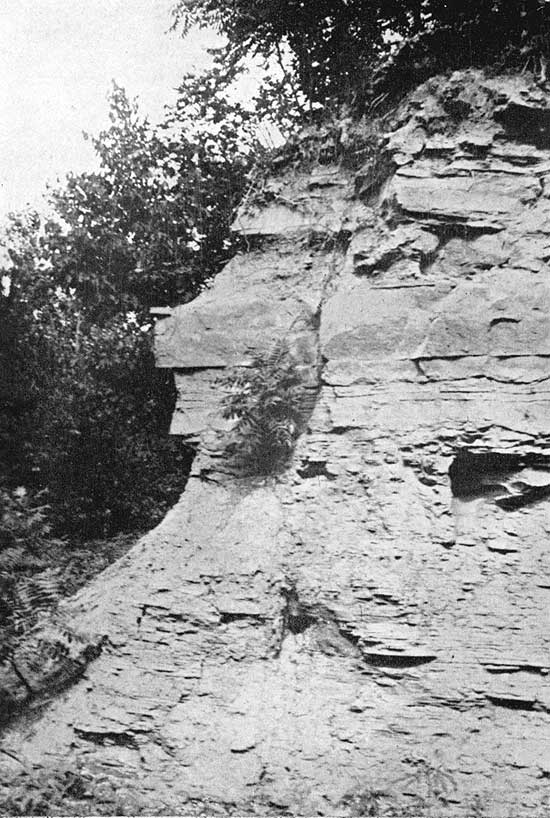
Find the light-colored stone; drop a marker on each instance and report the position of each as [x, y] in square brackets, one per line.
[351, 627]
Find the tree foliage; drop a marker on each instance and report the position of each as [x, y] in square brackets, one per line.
[84, 414]
[153, 223]
[266, 401]
[352, 50]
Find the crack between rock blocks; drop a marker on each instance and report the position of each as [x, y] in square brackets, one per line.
[417, 362]
[335, 637]
[535, 670]
[513, 703]
[335, 267]
[497, 475]
[124, 738]
[229, 618]
[30, 690]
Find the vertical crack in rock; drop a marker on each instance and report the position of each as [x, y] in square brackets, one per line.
[29, 688]
[295, 617]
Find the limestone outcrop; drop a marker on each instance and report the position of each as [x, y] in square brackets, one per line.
[368, 632]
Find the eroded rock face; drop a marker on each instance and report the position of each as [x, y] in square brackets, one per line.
[370, 630]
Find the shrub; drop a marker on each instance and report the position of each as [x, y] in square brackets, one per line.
[84, 419]
[266, 402]
[84, 414]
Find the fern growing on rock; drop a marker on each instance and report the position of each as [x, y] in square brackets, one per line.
[39, 648]
[266, 401]
[26, 589]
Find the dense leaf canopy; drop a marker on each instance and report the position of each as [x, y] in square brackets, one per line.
[350, 49]
[84, 414]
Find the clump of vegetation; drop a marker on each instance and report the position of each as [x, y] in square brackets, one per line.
[38, 794]
[64, 790]
[27, 587]
[353, 51]
[364, 801]
[84, 414]
[414, 794]
[38, 646]
[40, 650]
[266, 402]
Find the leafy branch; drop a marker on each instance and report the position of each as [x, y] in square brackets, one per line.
[266, 402]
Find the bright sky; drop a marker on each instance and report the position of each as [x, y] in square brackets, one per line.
[57, 61]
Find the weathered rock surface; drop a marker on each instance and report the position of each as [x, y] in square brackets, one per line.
[372, 627]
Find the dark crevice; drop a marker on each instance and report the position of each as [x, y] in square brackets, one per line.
[371, 178]
[385, 599]
[351, 637]
[469, 471]
[21, 678]
[455, 229]
[300, 622]
[449, 227]
[427, 260]
[536, 670]
[296, 617]
[141, 614]
[334, 636]
[227, 618]
[124, 739]
[362, 266]
[314, 468]
[527, 125]
[500, 357]
[417, 363]
[396, 660]
[504, 320]
[475, 151]
[498, 475]
[511, 703]
[528, 496]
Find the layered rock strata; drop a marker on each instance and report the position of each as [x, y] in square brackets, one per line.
[369, 630]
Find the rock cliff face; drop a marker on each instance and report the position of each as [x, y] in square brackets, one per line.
[369, 630]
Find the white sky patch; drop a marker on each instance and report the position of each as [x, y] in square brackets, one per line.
[57, 61]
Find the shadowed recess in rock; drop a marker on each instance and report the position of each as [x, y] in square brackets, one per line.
[314, 468]
[526, 124]
[296, 618]
[513, 480]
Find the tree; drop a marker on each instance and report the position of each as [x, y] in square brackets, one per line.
[84, 414]
[351, 50]
[153, 223]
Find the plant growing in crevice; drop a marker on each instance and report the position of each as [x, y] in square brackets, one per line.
[266, 401]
